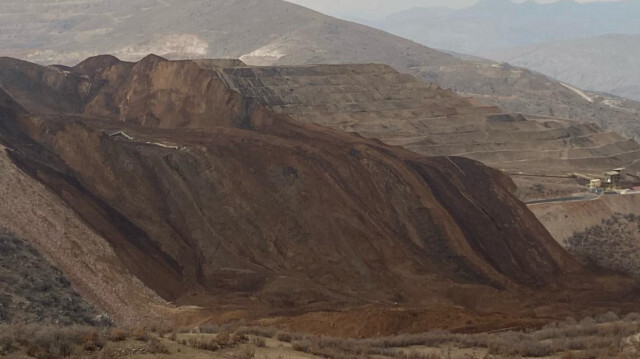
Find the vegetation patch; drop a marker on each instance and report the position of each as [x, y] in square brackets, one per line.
[34, 291]
[614, 244]
[606, 336]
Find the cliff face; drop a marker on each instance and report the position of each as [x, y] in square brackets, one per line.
[208, 197]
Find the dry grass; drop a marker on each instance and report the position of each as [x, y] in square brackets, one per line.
[154, 346]
[606, 336]
[44, 342]
[259, 342]
[603, 337]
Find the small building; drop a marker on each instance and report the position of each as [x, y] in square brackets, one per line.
[612, 178]
[595, 183]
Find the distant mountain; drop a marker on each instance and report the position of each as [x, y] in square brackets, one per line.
[278, 31]
[495, 24]
[275, 32]
[605, 63]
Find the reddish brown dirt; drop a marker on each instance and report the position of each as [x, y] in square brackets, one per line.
[221, 203]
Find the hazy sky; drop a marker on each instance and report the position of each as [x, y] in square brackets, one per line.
[372, 8]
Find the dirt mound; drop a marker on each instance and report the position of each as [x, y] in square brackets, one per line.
[213, 200]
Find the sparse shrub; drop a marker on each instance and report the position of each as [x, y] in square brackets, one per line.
[266, 332]
[223, 339]
[569, 321]
[107, 353]
[173, 336]
[303, 346]
[415, 355]
[260, 342]
[238, 338]
[632, 317]
[587, 321]
[202, 343]
[117, 335]
[140, 334]
[7, 341]
[155, 346]
[284, 337]
[244, 353]
[209, 329]
[52, 343]
[92, 341]
[288, 337]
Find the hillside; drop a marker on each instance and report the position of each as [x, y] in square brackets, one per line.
[210, 199]
[34, 291]
[605, 63]
[493, 25]
[280, 33]
[71, 31]
[376, 101]
[601, 233]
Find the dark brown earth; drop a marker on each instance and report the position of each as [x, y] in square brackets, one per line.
[213, 200]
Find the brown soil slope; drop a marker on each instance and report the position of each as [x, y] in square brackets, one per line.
[43, 219]
[210, 198]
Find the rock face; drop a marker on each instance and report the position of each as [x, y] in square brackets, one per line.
[209, 197]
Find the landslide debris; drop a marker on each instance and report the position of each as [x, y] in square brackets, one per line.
[214, 200]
